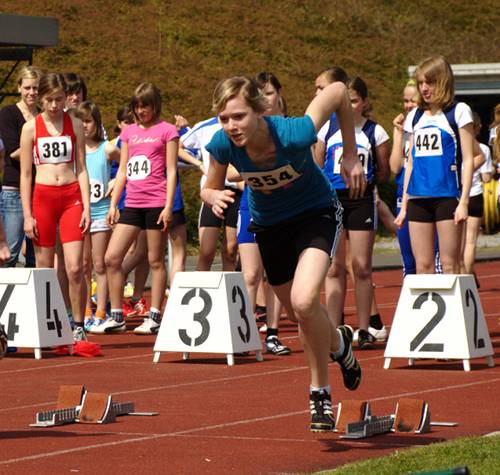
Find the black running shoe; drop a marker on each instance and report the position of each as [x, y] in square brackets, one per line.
[274, 346]
[3, 342]
[366, 341]
[321, 412]
[351, 371]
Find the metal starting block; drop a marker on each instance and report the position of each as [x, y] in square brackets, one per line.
[412, 415]
[85, 407]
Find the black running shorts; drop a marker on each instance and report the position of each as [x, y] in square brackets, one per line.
[281, 245]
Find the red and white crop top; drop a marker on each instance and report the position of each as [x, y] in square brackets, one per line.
[53, 149]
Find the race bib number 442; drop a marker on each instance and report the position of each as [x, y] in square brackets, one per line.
[138, 168]
[270, 180]
[55, 149]
[428, 142]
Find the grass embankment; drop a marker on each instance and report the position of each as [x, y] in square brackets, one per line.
[480, 454]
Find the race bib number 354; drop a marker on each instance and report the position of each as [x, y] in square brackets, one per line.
[55, 149]
[138, 168]
[270, 180]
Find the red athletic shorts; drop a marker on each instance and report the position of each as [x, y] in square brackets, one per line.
[53, 205]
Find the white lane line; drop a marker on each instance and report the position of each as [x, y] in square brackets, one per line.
[79, 363]
[227, 424]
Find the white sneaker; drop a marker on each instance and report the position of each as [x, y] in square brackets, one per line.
[110, 326]
[379, 335]
[147, 327]
[79, 334]
[263, 328]
[96, 323]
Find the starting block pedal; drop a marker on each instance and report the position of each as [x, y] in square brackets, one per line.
[70, 396]
[351, 411]
[96, 409]
[412, 415]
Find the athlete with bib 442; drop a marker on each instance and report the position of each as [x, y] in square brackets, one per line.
[55, 142]
[439, 170]
[295, 213]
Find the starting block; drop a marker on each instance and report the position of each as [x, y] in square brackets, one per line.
[208, 312]
[349, 411]
[32, 309]
[439, 317]
[90, 408]
[412, 415]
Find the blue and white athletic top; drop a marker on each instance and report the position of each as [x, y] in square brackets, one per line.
[198, 138]
[436, 152]
[399, 179]
[295, 184]
[369, 136]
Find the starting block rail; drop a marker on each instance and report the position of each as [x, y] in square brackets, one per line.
[373, 425]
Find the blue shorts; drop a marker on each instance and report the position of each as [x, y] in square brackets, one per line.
[244, 235]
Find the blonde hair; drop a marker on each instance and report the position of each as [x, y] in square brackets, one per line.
[496, 146]
[436, 70]
[229, 88]
[496, 116]
[28, 72]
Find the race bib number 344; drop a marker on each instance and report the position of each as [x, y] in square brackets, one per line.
[138, 168]
[55, 149]
[270, 180]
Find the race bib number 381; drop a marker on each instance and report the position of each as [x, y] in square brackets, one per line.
[138, 168]
[270, 180]
[55, 149]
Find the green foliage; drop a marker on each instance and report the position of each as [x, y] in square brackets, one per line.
[187, 46]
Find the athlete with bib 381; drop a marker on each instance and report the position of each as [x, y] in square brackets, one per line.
[55, 142]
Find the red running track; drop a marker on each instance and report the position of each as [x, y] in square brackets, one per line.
[247, 419]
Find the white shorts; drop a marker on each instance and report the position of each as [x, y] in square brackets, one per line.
[99, 225]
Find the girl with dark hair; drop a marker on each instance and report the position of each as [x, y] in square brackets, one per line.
[360, 215]
[98, 154]
[148, 163]
[54, 141]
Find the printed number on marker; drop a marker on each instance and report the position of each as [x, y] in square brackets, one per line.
[244, 335]
[431, 324]
[200, 317]
[138, 168]
[12, 327]
[428, 142]
[470, 299]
